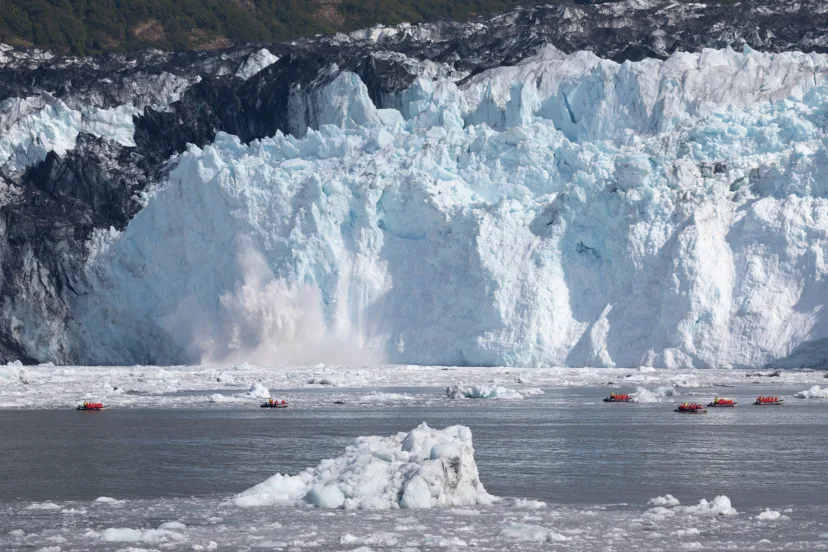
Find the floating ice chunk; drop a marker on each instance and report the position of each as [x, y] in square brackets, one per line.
[815, 392]
[73, 511]
[219, 398]
[15, 533]
[720, 506]
[531, 391]
[172, 525]
[48, 549]
[123, 534]
[375, 539]
[108, 500]
[459, 391]
[528, 504]
[769, 515]
[666, 500]
[421, 469]
[528, 532]
[43, 506]
[381, 397]
[258, 391]
[444, 542]
[659, 513]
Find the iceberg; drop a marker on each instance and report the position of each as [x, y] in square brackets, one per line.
[423, 468]
[815, 392]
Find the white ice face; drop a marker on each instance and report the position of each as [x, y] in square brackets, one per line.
[565, 211]
[32, 127]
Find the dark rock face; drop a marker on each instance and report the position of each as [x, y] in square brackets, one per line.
[51, 209]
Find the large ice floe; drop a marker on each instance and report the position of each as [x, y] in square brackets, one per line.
[423, 468]
[567, 210]
[815, 392]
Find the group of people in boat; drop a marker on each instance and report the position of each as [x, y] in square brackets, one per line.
[618, 397]
[767, 400]
[690, 407]
[273, 402]
[722, 402]
[92, 406]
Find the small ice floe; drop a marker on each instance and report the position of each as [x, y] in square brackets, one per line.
[528, 504]
[666, 500]
[177, 525]
[218, 398]
[43, 506]
[108, 500]
[124, 534]
[444, 542]
[720, 506]
[423, 468]
[460, 391]
[771, 515]
[73, 511]
[815, 392]
[379, 396]
[375, 539]
[528, 532]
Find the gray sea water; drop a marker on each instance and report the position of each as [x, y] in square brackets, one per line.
[564, 447]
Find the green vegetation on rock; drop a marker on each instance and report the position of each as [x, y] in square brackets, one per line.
[93, 26]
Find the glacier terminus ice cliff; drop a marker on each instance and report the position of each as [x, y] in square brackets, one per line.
[561, 185]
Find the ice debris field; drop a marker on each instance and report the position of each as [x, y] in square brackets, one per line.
[246, 385]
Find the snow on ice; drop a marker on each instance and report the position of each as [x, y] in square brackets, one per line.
[567, 210]
[423, 468]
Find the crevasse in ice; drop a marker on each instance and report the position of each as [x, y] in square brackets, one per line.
[568, 210]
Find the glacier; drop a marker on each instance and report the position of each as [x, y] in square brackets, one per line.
[567, 210]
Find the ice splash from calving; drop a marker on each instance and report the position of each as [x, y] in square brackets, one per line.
[423, 468]
[646, 396]
[460, 391]
[269, 321]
